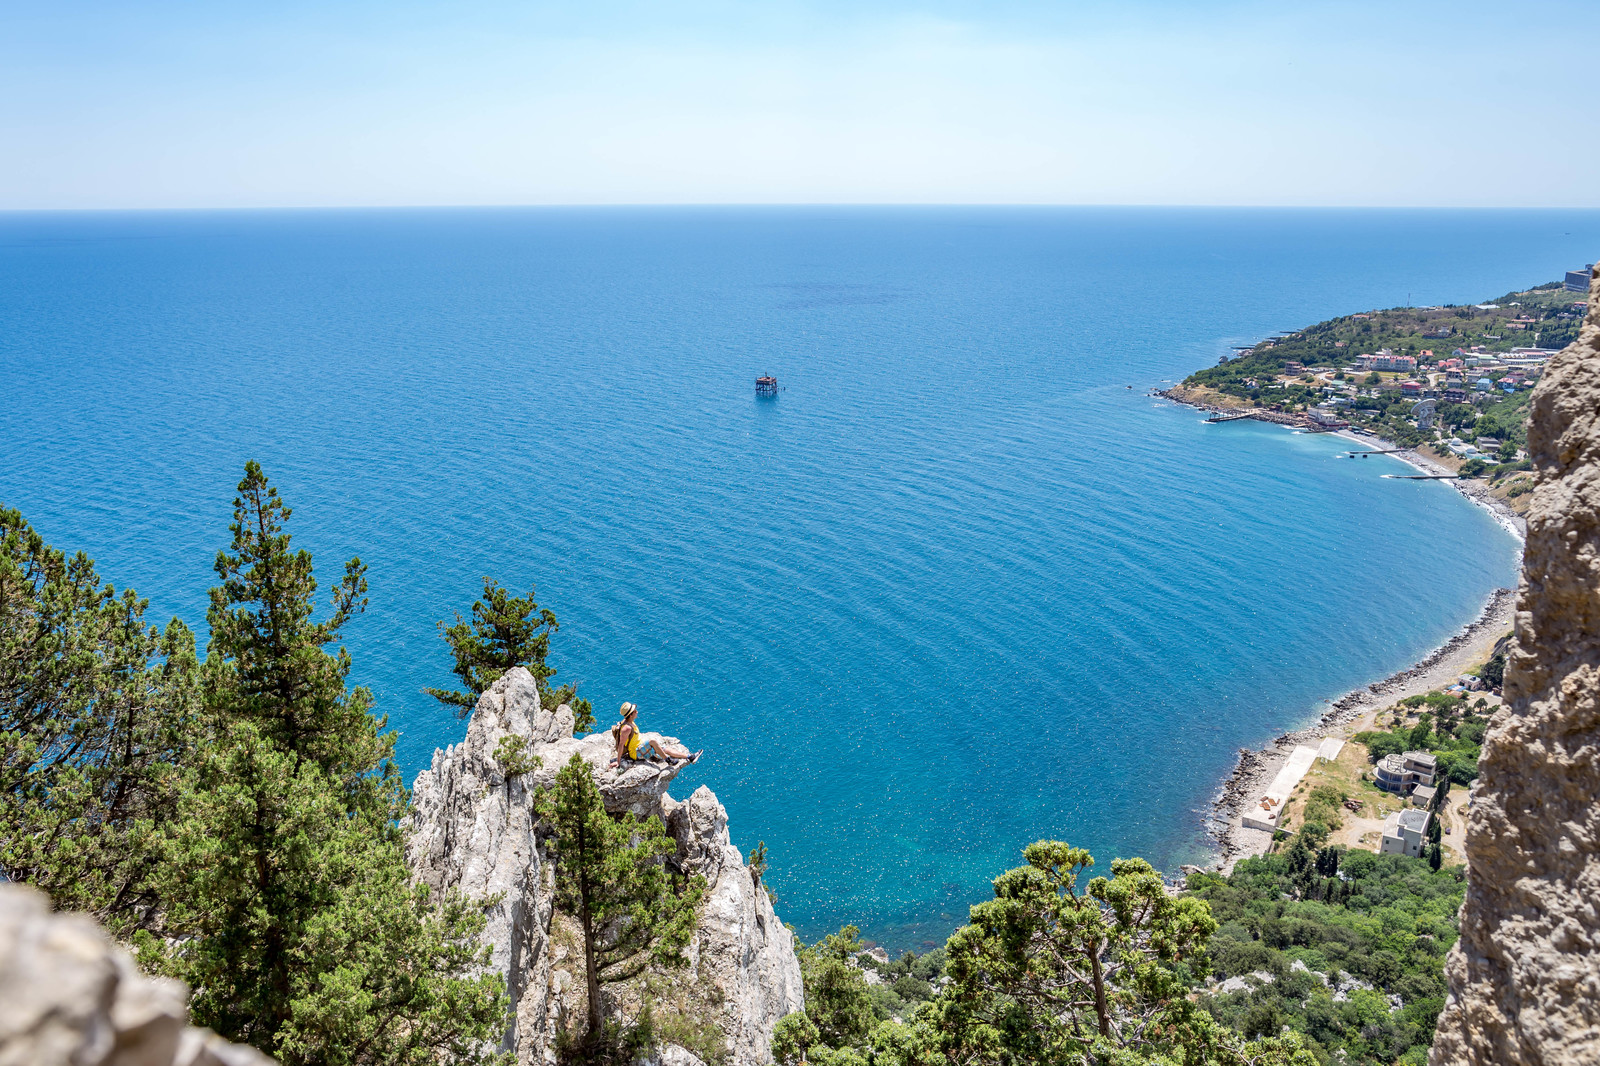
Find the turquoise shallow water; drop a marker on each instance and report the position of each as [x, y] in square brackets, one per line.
[955, 589]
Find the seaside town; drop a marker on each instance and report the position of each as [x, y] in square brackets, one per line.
[1448, 384]
[1446, 389]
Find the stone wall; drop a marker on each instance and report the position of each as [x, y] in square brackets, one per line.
[70, 997]
[1525, 975]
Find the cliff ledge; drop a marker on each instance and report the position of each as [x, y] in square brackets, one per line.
[473, 830]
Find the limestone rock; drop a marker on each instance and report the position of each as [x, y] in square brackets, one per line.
[1525, 975]
[673, 1055]
[740, 946]
[70, 997]
[473, 830]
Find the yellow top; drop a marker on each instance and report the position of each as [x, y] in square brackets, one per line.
[633, 742]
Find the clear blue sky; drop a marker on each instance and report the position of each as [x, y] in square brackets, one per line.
[220, 104]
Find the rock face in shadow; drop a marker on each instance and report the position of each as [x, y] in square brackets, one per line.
[1525, 975]
[474, 830]
[70, 997]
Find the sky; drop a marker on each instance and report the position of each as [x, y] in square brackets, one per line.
[157, 104]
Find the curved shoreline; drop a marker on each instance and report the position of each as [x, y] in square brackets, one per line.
[1244, 786]
[1470, 489]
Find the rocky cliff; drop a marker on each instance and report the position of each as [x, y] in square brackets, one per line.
[473, 830]
[70, 997]
[1525, 975]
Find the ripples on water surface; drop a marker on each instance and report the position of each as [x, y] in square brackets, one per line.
[957, 588]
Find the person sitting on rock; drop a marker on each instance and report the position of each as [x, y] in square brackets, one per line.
[630, 740]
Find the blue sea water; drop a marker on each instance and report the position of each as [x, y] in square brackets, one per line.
[957, 588]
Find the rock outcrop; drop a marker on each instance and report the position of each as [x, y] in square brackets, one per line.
[1525, 975]
[474, 831]
[70, 997]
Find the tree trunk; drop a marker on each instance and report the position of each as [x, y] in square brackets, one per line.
[1102, 1012]
[591, 966]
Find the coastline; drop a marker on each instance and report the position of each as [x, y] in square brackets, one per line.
[1471, 489]
[1355, 711]
[1351, 713]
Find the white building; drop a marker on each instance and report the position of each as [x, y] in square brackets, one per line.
[1404, 833]
[1402, 773]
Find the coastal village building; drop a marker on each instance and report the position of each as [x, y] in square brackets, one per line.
[1402, 773]
[1423, 796]
[1404, 833]
[1384, 359]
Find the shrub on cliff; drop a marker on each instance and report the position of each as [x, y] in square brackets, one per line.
[506, 631]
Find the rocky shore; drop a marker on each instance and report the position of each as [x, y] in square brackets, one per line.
[1345, 716]
[1244, 787]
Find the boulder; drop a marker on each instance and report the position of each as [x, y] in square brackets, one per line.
[70, 997]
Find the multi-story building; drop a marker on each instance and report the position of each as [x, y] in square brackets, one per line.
[1402, 773]
[1404, 833]
[1384, 359]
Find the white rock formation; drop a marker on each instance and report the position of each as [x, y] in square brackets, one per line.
[70, 997]
[473, 831]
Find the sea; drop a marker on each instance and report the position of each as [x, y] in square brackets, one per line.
[962, 584]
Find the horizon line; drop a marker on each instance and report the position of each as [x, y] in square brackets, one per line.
[773, 204]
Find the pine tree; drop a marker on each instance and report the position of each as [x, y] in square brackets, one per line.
[286, 883]
[96, 716]
[1051, 971]
[506, 631]
[612, 879]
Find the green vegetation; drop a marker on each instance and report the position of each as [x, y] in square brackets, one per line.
[1054, 970]
[610, 878]
[1322, 812]
[1449, 728]
[1347, 949]
[1337, 342]
[98, 716]
[506, 631]
[512, 755]
[236, 819]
